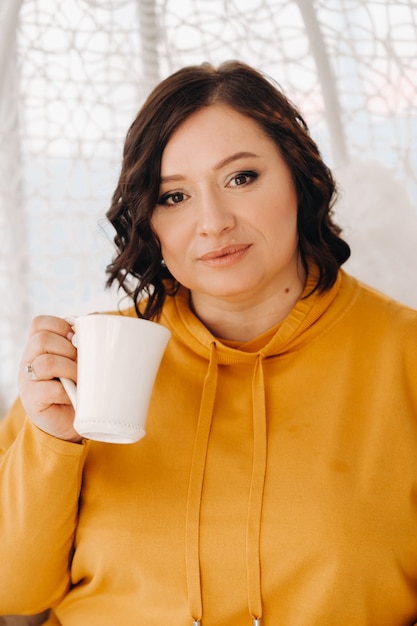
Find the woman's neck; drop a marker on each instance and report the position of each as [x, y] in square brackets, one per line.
[243, 321]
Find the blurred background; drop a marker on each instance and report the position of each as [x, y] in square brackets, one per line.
[73, 74]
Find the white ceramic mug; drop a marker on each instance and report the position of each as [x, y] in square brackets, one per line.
[118, 359]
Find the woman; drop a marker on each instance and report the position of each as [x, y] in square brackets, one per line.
[277, 480]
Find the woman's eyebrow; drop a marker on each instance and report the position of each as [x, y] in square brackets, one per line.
[234, 157]
[226, 161]
[172, 178]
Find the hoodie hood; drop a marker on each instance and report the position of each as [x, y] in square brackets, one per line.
[290, 335]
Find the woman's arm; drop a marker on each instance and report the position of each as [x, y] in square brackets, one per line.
[40, 481]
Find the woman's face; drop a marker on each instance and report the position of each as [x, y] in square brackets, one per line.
[226, 217]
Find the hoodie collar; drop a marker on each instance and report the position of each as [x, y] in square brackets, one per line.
[290, 334]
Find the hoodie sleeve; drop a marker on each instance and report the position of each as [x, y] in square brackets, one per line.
[40, 480]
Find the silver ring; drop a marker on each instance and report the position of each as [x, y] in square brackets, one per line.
[29, 370]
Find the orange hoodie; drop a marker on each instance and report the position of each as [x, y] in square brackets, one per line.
[276, 483]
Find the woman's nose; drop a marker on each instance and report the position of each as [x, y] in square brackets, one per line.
[214, 215]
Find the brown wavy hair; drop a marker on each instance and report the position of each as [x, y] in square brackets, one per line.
[138, 266]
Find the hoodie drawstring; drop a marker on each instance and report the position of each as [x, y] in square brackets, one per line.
[253, 531]
[195, 490]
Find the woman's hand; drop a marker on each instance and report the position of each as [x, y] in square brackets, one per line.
[49, 354]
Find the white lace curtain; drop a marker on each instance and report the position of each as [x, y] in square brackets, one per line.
[73, 73]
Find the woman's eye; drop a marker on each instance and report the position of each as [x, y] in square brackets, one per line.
[169, 199]
[243, 178]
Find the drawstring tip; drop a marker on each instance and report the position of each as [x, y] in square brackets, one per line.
[256, 622]
[196, 622]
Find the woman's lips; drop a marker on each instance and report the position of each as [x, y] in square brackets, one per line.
[226, 255]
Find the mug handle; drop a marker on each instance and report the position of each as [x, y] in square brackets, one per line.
[69, 386]
[71, 389]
